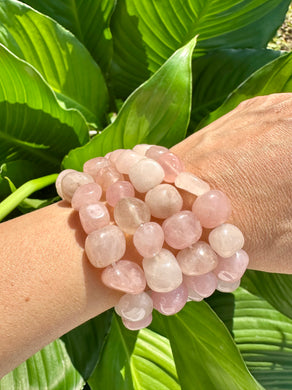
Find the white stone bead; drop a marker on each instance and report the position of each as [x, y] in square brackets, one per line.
[72, 181]
[163, 200]
[191, 183]
[146, 174]
[134, 307]
[126, 160]
[226, 239]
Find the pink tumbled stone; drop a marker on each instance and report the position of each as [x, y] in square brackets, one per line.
[130, 213]
[212, 208]
[171, 165]
[204, 285]
[227, 286]
[107, 176]
[146, 174]
[94, 216]
[164, 200]
[71, 181]
[155, 152]
[170, 302]
[232, 269]
[141, 148]
[119, 190]
[226, 239]
[162, 271]
[105, 245]
[134, 307]
[182, 229]
[197, 259]
[193, 296]
[85, 195]
[191, 183]
[126, 160]
[124, 275]
[59, 181]
[137, 325]
[114, 155]
[148, 239]
[93, 165]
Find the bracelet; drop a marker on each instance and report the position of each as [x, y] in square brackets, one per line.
[177, 266]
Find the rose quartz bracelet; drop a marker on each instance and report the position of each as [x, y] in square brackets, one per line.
[177, 266]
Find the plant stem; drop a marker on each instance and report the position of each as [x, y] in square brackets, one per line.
[13, 200]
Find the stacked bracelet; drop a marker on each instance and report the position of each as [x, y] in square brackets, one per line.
[177, 266]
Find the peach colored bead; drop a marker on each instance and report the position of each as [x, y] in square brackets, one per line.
[232, 268]
[126, 160]
[137, 325]
[94, 216]
[146, 174]
[114, 155]
[130, 213]
[124, 275]
[141, 148]
[134, 307]
[59, 181]
[198, 259]
[119, 190]
[182, 229]
[164, 200]
[104, 246]
[227, 286]
[93, 165]
[204, 285]
[85, 195]
[171, 302]
[162, 271]
[155, 151]
[71, 181]
[148, 239]
[171, 165]
[226, 239]
[107, 176]
[212, 208]
[191, 183]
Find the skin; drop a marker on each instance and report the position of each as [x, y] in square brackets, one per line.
[48, 286]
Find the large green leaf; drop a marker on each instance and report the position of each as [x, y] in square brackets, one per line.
[135, 361]
[33, 125]
[147, 32]
[206, 357]
[61, 59]
[156, 113]
[88, 20]
[49, 369]
[274, 77]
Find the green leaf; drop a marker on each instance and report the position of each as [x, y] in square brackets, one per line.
[34, 126]
[49, 369]
[205, 355]
[218, 73]
[135, 361]
[156, 113]
[274, 77]
[60, 58]
[88, 20]
[85, 343]
[146, 32]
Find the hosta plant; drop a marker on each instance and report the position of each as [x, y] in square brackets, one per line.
[81, 78]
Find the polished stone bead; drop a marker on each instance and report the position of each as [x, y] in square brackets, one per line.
[71, 181]
[203, 285]
[171, 165]
[146, 174]
[134, 307]
[155, 151]
[85, 195]
[119, 190]
[130, 213]
[171, 302]
[105, 245]
[126, 160]
[232, 268]
[212, 208]
[164, 200]
[193, 296]
[114, 155]
[137, 325]
[124, 275]
[107, 176]
[148, 239]
[227, 286]
[141, 148]
[94, 216]
[182, 229]
[197, 259]
[191, 183]
[162, 271]
[59, 181]
[226, 239]
[93, 165]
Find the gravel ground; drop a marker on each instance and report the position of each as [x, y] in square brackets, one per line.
[283, 38]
